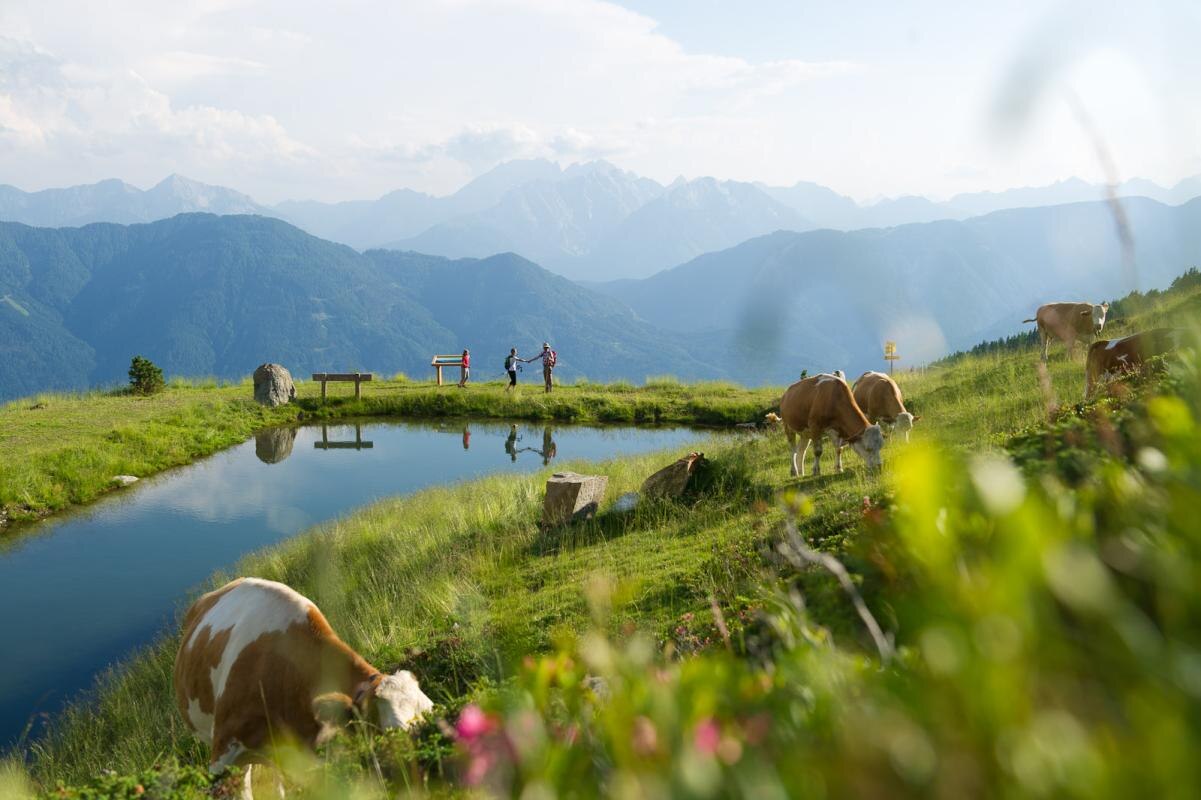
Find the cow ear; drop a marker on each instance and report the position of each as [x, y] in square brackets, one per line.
[332, 708]
[1105, 306]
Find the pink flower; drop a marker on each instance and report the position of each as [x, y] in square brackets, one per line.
[707, 736]
[645, 740]
[473, 723]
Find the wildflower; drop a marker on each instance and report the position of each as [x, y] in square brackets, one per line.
[645, 739]
[473, 723]
[707, 736]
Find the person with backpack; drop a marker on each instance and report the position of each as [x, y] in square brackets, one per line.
[466, 374]
[512, 364]
[549, 358]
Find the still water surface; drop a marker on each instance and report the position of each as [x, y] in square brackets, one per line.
[79, 591]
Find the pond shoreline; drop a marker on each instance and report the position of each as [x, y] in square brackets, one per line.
[185, 424]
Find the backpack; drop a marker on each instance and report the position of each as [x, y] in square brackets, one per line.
[510, 363]
[554, 357]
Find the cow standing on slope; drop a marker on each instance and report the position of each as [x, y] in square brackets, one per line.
[1068, 322]
[821, 403]
[879, 398]
[258, 662]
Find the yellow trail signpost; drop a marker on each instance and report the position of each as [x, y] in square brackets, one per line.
[890, 354]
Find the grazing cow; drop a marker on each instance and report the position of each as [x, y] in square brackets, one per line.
[822, 403]
[1067, 322]
[258, 662]
[879, 398]
[1110, 357]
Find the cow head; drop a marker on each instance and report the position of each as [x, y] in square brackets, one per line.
[1098, 316]
[905, 422]
[868, 445]
[399, 701]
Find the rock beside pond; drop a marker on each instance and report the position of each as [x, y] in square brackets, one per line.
[672, 480]
[274, 444]
[125, 480]
[571, 496]
[273, 385]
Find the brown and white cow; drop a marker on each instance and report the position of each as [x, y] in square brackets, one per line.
[1068, 322]
[823, 403]
[1110, 357]
[258, 661]
[879, 398]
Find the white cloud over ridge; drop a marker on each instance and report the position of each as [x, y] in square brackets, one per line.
[296, 98]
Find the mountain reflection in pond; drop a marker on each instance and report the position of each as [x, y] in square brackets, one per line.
[81, 590]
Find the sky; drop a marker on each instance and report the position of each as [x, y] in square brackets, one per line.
[349, 100]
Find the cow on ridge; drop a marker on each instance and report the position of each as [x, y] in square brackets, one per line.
[1108, 358]
[821, 403]
[1068, 322]
[879, 398]
[258, 661]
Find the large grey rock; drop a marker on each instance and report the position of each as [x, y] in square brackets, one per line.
[571, 496]
[274, 444]
[672, 480]
[273, 385]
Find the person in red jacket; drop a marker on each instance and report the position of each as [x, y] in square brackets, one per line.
[466, 376]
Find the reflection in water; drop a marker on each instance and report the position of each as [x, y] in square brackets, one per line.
[466, 437]
[548, 450]
[274, 444]
[357, 444]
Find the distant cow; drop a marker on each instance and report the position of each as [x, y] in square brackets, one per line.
[259, 661]
[879, 398]
[1110, 357]
[1068, 322]
[821, 403]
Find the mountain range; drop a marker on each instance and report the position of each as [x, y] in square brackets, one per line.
[591, 222]
[827, 299]
[202, 294]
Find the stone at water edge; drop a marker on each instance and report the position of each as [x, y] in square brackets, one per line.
[273, 385]
[273, 445]
[672, 480]
[571, 496]
[125, 480]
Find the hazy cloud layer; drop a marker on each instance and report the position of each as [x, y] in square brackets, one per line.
[292, 98]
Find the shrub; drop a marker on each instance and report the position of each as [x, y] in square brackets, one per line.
[145, 377]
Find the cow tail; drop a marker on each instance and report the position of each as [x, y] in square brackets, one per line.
[1029, 320]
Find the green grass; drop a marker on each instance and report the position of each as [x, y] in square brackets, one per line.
[63, 450]
[460, 583]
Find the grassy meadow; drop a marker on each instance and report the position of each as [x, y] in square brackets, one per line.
[1038, 627]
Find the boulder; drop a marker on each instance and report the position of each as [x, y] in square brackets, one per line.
[274, 444]
[124, 480]
[571, 496]
[672, 480]
[273, 385]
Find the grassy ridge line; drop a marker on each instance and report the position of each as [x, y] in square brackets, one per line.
[62, 450]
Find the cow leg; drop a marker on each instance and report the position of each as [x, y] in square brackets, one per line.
[804, 454]
[838, 445]
[817, 455]
[792, 445]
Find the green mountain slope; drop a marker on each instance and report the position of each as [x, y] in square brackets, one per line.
[207, 295]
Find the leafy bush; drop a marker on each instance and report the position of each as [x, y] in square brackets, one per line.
[144, 377]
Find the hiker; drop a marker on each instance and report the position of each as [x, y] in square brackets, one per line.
[512, 364]
[466, 374]
[549, 357]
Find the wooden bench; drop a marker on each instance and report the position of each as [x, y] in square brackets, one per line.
[357, 377]
[438, 362]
